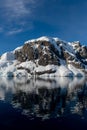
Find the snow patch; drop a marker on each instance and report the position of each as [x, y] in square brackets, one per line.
[64, 71]
[8, 56]
[77, 72]
[18, 48]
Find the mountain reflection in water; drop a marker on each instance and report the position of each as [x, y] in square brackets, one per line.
[45, 98]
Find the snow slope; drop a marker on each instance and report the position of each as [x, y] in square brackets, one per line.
[10, 65]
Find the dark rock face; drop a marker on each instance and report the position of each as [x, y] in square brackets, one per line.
[18, 55]
[77, 45]
[44, 53]
[66, 55]
[83, 52]
[26, 53]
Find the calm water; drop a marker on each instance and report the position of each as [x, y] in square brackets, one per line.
[59, 103]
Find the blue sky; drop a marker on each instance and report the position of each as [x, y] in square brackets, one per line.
[21, 20]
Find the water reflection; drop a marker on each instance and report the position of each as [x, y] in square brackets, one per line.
[46, 98]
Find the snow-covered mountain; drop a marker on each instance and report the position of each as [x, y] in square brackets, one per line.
[45, 56]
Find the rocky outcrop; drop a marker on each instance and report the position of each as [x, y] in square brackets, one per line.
[45, 53]
[50, 56]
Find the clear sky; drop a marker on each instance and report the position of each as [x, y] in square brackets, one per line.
[21, 20]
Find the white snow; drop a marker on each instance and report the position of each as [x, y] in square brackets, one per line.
[28, 65]
[20, 73]
[44, 38]
[48, 67]
[8, 56]
[59, 71]
[77, 72]
[57, 39]
[18, 48]
[8, 71]
[9, 65]
[64, 71]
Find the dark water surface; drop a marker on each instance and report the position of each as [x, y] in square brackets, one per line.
[59, 103]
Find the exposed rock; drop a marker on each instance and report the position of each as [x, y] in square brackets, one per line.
[77, 65]
[46, 55]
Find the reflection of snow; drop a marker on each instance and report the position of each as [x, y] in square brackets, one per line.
[52, 96]
[30, 85]
[75, 83]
